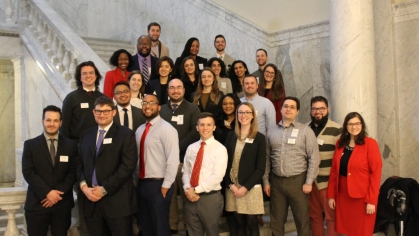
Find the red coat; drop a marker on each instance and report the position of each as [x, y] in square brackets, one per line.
[277, 104]
[364, 172]
[111, 78]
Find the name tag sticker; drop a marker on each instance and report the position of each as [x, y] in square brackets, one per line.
[320, 141]
[84, 105]
[257, 79]
[174, 118]
[180, 119]
[63, 158]
[201, 66]
[223, 85]
[294, 133]
[291, 141]
[107, 141]
[248, 140]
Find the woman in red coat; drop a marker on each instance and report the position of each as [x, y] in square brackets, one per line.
[121, 59]
[354, 181]
[271, 86]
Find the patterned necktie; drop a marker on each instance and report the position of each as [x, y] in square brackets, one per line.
[221, 57]
[174, 106]
[126, 117]
[52, 150]
[142, 160]
[99, 142]
[145, 71]
[197, 166]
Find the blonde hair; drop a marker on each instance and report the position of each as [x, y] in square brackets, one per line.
[215, 94]
[253, 123]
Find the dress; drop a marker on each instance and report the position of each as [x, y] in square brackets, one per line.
[252, 202]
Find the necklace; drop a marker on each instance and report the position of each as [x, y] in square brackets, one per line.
[227, 123]
[349, 148]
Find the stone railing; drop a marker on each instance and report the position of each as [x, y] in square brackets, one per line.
[57, 48]
[11, 200]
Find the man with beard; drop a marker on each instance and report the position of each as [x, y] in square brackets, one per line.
[158, 146]
[158, 49]
[327, 133]
[48, 166]
[220, 45]
[262, 60]
[143, 61]
[183, 116]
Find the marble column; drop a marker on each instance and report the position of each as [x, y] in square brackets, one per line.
[352, 61]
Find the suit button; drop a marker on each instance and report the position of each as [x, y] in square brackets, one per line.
[349, 173]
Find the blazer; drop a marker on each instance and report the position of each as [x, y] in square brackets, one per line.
[135, 66]
[364, 172]
[154, 87]
[42, 176]
[211, 106]
[228, 61]
[163, 51]
[111, 78]
[252, 161]
[137, 118]
[115, 164]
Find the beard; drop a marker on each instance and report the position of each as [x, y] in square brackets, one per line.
[320, 121]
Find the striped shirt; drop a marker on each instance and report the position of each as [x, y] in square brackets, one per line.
[291, 151]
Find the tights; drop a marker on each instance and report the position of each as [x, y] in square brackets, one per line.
[246, 221]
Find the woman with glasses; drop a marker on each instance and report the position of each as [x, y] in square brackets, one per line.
[246, 149]
[121, 60]
[354, 181]
[219, 68]
[207, 94]
[158, 87]
[137, 87]
[271, 86]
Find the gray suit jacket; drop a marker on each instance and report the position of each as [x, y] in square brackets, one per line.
[137, 118]
[163, 50]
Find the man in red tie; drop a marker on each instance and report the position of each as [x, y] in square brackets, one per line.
[158, 146]
[204, 167]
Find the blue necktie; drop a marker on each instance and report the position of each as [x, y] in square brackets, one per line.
[99, 142]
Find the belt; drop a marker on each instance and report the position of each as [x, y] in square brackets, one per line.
[208, 193]
[151, 179]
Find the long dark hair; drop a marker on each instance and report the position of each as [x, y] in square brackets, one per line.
[183, 74]
[277, 85]
[215, 94]
[221, 115]
[345, 137]
[235, 82]
[222, 64]
[77, 75]
[187, 50]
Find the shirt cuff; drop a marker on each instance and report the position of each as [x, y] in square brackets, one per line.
[83, 183]
[309, 181]
[166, 184]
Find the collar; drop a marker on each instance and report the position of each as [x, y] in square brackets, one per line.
[120, 108]
[178, 103]
[220, 55]
[106, 128]
[323, 124]
[155, 120]
[87, 90]
[155, 44]
[54, 137]
[208, 141]
[282, 124]
[140, 58]
[255, 96]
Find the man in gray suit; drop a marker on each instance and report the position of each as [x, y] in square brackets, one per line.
[158, 49]
[126, 115]
[220, 45]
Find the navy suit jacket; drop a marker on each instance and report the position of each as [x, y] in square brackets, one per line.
[137, 118]
[252, 161]
[135, 66]
[115, 164]
[43, 177]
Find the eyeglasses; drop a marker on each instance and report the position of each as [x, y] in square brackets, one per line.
[122, 92]
[175, 88]
[322, 109]
[357, 124]
[241, 113]
[105, 112]
[149, 103]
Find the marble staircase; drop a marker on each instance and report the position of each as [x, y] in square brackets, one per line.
[4, 220]
[104, 48]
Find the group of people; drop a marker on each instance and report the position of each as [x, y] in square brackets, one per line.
[207, 130]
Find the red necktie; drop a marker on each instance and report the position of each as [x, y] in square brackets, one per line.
[142, 162]
[197, 166]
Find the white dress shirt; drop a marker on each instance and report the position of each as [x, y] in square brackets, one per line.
[121, 114]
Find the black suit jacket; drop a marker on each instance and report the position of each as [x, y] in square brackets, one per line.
[137, 118]
[135, 66]
[43, 177]
[154, 87]
[252, 161]
[115, 164]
